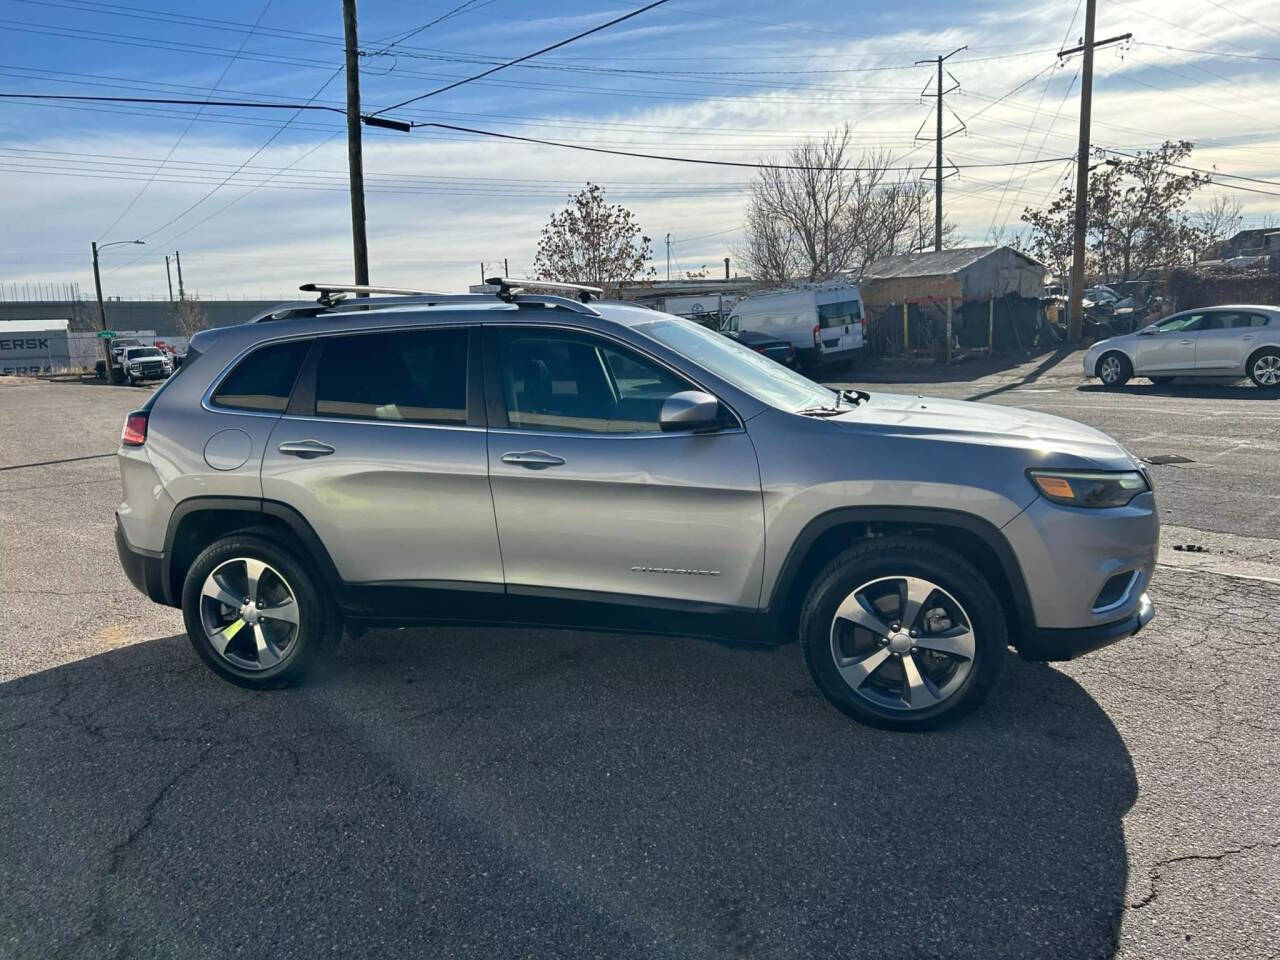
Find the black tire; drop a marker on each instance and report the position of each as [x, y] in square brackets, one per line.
[1160, 381]
[1257, 373]
[319, 623]
[891, 557]
[1114, 376]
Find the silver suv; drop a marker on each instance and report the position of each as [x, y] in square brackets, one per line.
[534, 459]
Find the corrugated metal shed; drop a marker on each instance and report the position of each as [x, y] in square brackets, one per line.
[964, 273]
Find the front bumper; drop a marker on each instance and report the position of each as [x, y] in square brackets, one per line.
[1066, 644]
[144, 568]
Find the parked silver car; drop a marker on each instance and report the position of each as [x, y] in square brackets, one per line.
[1240, 341]
[539, 460]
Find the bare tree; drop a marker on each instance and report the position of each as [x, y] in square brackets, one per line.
[189, 316]
[591, 241]
[1217, 222]
[819, 215]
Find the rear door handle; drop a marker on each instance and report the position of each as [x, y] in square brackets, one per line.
[306, 449]
[1184, 341]
[533, 459]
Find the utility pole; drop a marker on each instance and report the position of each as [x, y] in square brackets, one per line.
[938, 138]
[668, 256]
[1076, 304]
[182, 292]
[168, 276]
[355, 158]
[102, 307]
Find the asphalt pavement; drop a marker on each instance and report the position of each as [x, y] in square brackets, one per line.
[497, 793]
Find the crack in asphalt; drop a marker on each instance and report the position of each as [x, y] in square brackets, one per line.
[99, 920]
[1154, 874]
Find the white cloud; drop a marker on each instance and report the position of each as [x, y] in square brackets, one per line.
[437, 207]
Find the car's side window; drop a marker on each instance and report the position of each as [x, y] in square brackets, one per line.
[1183, 324]
[264, 379]
[562, 381]
[417, 376]
[1236, 321]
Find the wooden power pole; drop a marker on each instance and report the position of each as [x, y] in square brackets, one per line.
[355, 157]
[1076, 304]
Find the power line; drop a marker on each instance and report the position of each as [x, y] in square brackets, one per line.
[527, 56]
[676, 159]
[1208, 53]
[222, 76]
[1237, 13]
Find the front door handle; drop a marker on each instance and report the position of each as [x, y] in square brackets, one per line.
[306, 449]
[1184, 341]
[533, 459]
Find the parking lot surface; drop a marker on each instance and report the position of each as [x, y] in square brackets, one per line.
[466, 792]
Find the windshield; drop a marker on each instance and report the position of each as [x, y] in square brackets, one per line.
[766, 380]
[143, 352]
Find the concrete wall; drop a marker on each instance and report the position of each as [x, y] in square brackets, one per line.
[154, 315]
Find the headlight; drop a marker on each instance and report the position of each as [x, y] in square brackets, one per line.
[1082, 488]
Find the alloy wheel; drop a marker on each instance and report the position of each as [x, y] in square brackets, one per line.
[249, 613]
[1110, 370]
[1266, 370]
[903, 643]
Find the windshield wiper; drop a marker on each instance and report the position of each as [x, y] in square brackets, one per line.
[854, 396]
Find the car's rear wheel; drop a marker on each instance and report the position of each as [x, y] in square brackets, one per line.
[903, 634]
[1264, 368]
[1114, 369]
[255, 613]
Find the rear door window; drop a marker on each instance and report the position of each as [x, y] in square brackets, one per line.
[839, 314]
[417, 376]
[263, 380]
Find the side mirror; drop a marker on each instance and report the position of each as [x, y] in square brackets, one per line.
[1149, 331]
[690, 410]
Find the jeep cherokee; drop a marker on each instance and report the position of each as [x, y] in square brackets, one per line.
[534, 459]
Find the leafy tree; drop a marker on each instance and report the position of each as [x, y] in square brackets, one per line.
[592, 241]
[1137, 216]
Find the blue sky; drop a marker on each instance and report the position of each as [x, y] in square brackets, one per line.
[256, 200]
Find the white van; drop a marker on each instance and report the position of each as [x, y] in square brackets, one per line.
[824, 322]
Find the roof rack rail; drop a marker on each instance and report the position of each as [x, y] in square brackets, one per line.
[508, 289]
[333, 300]
[327, 291]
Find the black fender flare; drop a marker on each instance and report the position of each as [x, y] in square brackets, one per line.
[315, 549]
[984, 530]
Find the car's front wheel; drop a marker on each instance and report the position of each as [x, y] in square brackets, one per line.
[255, 613]
[1114, 369]
[902, 633]
[1264, 368]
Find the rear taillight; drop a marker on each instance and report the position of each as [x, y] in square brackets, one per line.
[863, 321]
[816, 328]
[135, 429]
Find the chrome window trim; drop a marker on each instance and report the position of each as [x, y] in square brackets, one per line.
[421, 424]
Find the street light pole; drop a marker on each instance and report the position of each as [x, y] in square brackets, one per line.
[102, 307]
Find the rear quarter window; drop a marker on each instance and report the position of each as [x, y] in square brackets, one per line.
[263, 380]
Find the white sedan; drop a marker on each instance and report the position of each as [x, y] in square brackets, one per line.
[1225, 341]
